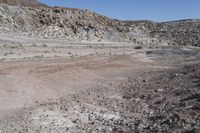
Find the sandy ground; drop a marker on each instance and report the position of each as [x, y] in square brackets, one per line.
[58, 86]
[28, 82]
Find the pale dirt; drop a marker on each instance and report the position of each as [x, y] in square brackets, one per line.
[129, 90]
[27, 82]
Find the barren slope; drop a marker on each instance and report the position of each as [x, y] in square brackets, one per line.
[83, 25]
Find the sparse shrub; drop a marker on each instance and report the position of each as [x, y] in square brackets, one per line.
[44, 45]
[39, 56]
[148, 52]
[4, 45]
[138, 47]
[134, 40]
[8, 53]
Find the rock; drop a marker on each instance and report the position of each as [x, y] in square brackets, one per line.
[160, 90]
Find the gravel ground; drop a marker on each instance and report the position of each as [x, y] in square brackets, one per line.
[162, 99]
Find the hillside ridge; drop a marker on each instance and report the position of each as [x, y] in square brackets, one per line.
[83, 25]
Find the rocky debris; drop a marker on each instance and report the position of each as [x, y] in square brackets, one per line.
[79, 25]
[158, 100]
[184, 32]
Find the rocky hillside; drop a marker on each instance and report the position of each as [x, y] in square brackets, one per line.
[183, 32]
[82, 25]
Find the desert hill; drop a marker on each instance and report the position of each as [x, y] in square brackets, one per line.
[82, 25]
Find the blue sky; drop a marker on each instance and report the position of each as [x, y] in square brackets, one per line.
[156, 10]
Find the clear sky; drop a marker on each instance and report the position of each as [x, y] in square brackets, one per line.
[156, 10]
